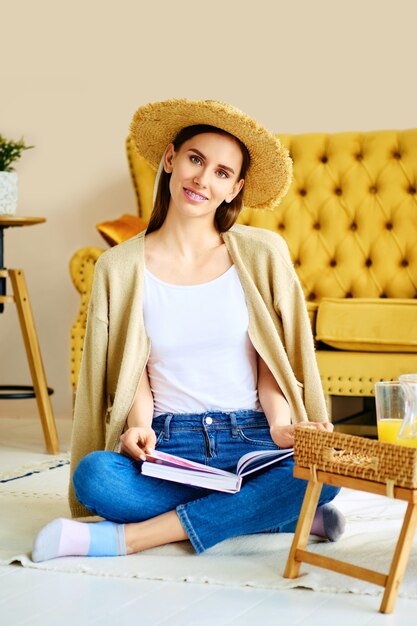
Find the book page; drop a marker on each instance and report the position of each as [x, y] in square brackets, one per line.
[262, 458]
[165, 459]
[229, 483]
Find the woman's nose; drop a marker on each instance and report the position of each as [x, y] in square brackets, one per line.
[201, 178]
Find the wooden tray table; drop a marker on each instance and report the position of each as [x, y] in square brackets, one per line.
[364, 465]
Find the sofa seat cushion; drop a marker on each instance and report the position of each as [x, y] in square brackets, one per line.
[349, 373]
[368, 324]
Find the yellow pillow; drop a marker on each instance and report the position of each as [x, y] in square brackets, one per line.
[119, 230]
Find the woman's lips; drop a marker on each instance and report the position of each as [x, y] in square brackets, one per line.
[194, 196]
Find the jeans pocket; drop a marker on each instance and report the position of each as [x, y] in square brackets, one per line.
[257, 437]
[159, 438]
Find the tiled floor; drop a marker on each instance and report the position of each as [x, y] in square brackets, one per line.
[45, 598]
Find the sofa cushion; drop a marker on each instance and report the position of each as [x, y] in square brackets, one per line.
[125, 227]
[368, 324]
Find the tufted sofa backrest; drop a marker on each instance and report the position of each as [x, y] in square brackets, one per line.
[350, 216]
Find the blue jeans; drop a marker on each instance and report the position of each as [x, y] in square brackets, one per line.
[111, 485]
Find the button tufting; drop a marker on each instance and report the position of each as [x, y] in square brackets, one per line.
[303, 192]
[353, 226]
[317, 226]
[368, 262]
[333, 263]
[396, 154]
[373, 189]
[338, 191]
[412, 190]
[383, 295]
[297, 263]
[359, 156]
[324, 159]
[281, 226]
[312, 296]
[389, 225]
[348, 294]
[404, 263]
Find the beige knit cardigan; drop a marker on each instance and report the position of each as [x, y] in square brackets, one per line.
[116, 347]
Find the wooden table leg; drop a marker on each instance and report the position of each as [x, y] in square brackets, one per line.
[302, 532]
[400, 559]
[37, 371]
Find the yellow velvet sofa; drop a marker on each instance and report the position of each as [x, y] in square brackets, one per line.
[350, 221]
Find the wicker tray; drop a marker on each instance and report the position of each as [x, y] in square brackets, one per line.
[356, 456]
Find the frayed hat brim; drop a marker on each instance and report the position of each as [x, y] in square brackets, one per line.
[269, 175]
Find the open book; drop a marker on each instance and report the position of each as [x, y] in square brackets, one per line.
[170, 467]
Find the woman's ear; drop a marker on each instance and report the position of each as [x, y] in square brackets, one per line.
[169, 157]
[235, 190]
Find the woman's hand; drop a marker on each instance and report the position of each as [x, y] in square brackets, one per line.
[137, 441]
[327, 426]
[283, 435]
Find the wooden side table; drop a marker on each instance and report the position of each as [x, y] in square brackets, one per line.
[20, 297]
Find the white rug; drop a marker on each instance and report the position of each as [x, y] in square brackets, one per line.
[26, 469]
[373, 524]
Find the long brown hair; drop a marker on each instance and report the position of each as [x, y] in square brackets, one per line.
[227, 213]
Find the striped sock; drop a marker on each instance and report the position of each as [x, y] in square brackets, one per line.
[64, 537]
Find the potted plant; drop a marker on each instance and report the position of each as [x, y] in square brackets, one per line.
[10, 151]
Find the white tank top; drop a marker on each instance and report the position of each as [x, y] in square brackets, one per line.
[201, 356]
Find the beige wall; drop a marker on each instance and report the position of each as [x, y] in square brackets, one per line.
[72, 74]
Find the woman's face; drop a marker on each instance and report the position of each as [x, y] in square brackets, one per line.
[204, 173]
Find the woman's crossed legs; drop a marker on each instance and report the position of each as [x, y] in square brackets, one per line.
[147, 512]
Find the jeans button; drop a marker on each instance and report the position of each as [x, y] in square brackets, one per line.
[209, 420]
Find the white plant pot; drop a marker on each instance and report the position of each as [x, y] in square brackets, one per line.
[8, 193]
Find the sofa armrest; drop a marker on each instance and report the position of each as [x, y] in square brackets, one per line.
[312, 308]
[82, 266]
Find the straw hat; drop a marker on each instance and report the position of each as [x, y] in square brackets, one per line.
[268, 178]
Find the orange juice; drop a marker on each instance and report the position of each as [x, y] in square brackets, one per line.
[410, 442]
[388, 430]
[406, 439]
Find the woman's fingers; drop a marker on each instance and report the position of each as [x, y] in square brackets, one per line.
[149, 444]
[137, 441]
[131, 445]
[324, 426]
[283, 436]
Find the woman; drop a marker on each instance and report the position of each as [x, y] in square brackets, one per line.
[197, 343]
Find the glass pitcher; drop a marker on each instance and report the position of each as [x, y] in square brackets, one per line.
[407, 435]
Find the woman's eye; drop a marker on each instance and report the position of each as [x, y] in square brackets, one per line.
[222, 174]
[195, 159]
